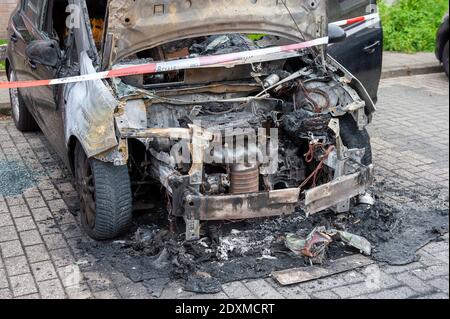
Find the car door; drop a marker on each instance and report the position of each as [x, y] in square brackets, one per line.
[43, 100]
[20, 35]
[362, 52]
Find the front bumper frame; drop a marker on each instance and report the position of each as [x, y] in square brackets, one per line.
[188, 202]
[273, 203]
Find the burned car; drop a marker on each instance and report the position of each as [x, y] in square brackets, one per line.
[226, 138]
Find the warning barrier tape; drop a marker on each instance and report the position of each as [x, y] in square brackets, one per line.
[356, 20]
[259, 55]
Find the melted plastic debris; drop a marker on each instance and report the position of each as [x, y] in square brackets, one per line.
[239, 244]
[314, 246]
[317, 242]
[223, 44]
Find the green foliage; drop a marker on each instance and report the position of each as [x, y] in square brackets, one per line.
[411, 25]
[2, 63]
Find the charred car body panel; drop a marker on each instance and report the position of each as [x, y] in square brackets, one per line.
[225, 142]
[136, 26]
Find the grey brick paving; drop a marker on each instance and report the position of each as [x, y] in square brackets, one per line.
[39, 256]
[11, 248]
[262, 289]
[3, 279]
[396, 293]
[107, 294]
[37, 253]
[23, 285]
[51, 289]
[16, 266]
[415, 283]
[30, 237]
[237, 290]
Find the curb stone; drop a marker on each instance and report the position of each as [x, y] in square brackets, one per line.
[408, 71]
[5, 109]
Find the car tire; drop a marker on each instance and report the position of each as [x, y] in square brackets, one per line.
[23, 119]
[352, 137]
[105, 197]
[445, 59]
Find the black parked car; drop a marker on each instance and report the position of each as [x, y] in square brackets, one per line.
[362, 52]
[122, 136]
[442, 43]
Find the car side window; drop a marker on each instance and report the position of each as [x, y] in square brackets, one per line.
[54, 21]
[345, 9]
[33, 9]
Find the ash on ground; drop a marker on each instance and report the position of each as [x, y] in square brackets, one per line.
[253, 249]
[15, 178]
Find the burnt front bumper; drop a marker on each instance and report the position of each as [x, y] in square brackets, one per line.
[278, 202]
[339, 190]
[243, 206]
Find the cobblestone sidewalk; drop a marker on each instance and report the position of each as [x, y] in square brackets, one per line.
[39, 257]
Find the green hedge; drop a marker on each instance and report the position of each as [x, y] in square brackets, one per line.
[411, 25]
[2, 63]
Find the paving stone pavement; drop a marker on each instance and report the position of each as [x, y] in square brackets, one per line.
[39, 257]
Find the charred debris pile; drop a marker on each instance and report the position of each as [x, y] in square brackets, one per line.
[230, 251]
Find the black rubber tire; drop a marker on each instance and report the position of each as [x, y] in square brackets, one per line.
[352, 137]
[113, 199]
[445, 59]
[23, 119]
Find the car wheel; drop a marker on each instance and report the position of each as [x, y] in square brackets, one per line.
[23, 119]
[352, 137]
[445, 59]
[105, 196]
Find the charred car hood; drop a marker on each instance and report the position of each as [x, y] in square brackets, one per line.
[137, 25]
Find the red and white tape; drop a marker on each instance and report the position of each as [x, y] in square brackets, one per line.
[253, 56]
[356, 20]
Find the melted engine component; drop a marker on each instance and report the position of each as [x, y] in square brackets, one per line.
[301, 123]
[300, 107]
[216, 184]
[291, 169]
[244, 178]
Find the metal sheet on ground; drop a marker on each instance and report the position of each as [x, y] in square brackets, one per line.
[299, 275]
